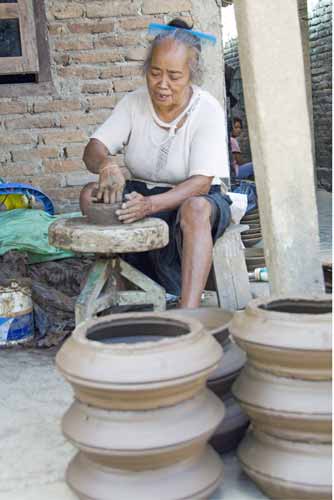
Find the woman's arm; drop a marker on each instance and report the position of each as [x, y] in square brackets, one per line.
[111, 180]
[137, 207]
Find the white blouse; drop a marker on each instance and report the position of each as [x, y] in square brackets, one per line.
[167, 157]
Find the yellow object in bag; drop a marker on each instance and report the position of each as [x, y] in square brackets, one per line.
[12, 201]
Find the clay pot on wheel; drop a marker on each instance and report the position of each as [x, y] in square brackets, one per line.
[103, 214]
[286, 390]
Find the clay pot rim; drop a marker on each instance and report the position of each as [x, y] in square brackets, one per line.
[254, 307]
[145, 366]
[256, 326]
[194, 326]
[191, 314]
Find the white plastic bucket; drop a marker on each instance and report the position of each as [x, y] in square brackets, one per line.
[16, 314]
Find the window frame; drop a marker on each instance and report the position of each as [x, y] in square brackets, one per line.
[44, 85]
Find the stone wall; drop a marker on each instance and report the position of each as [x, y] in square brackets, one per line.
[320, 19]
[97, 49]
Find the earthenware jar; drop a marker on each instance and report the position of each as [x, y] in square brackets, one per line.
[138, 361]
[233, 427]
[286, 390]
[142, 415]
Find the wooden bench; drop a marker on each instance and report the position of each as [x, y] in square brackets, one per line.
[229, 271]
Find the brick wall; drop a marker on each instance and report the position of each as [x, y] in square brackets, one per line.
[97, 49]
[231, 57]
[320, 19]
[320, 27]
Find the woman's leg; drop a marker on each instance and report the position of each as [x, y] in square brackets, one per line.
[196, 249]
[86, 195]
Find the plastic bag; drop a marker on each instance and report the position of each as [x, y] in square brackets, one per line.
[27, 231]
[249, 189]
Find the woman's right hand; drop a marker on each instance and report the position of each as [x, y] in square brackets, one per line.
[111, 183]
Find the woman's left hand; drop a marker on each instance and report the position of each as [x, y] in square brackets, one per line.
[135, 208]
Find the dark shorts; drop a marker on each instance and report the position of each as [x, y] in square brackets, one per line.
[164, 265]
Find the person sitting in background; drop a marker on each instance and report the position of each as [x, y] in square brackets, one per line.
[241, 170]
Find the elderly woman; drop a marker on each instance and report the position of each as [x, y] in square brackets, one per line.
[173, 133]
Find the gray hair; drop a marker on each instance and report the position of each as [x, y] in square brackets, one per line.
[190, 41]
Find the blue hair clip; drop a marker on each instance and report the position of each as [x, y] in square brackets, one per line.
[156, 29]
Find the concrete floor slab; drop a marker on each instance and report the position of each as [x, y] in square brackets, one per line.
[33, 399]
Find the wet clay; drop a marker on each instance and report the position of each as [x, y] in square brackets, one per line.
[103, 214]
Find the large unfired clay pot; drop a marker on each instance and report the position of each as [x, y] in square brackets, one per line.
[214, 319]
[289, 470]
[142, 415]
[216, 322]
[286, 407]
[287, 337]
[286, 390]
[138, 360]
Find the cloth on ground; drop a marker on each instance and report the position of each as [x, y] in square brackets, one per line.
[55, 287]
[27, 231]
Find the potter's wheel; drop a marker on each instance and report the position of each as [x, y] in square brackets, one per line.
[80, 235]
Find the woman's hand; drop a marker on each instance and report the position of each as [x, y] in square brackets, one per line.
[135, 208]
[111, 183]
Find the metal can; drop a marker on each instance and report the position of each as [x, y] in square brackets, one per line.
[16, 314]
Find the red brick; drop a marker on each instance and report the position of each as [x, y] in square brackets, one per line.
[61, 58]
[56, 105]
[82, 72]
[35, 154]
[110, 9]
[15, 169]
[68, 193]
[101, 102]
[127, 69]
[67, 10]
[138, 23]
[44, 182]
[29, 122]
[57, 29]
[13, 108]
[88, 27]
[94, 57]
[135, 54]
[76, 44]
[117, 40]
[165, 6]
[75, 150]
[96, 87]
[52, 166]
[84, 118]
[13, 138]
[4, 157]
[126, 85]
[65, 136]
